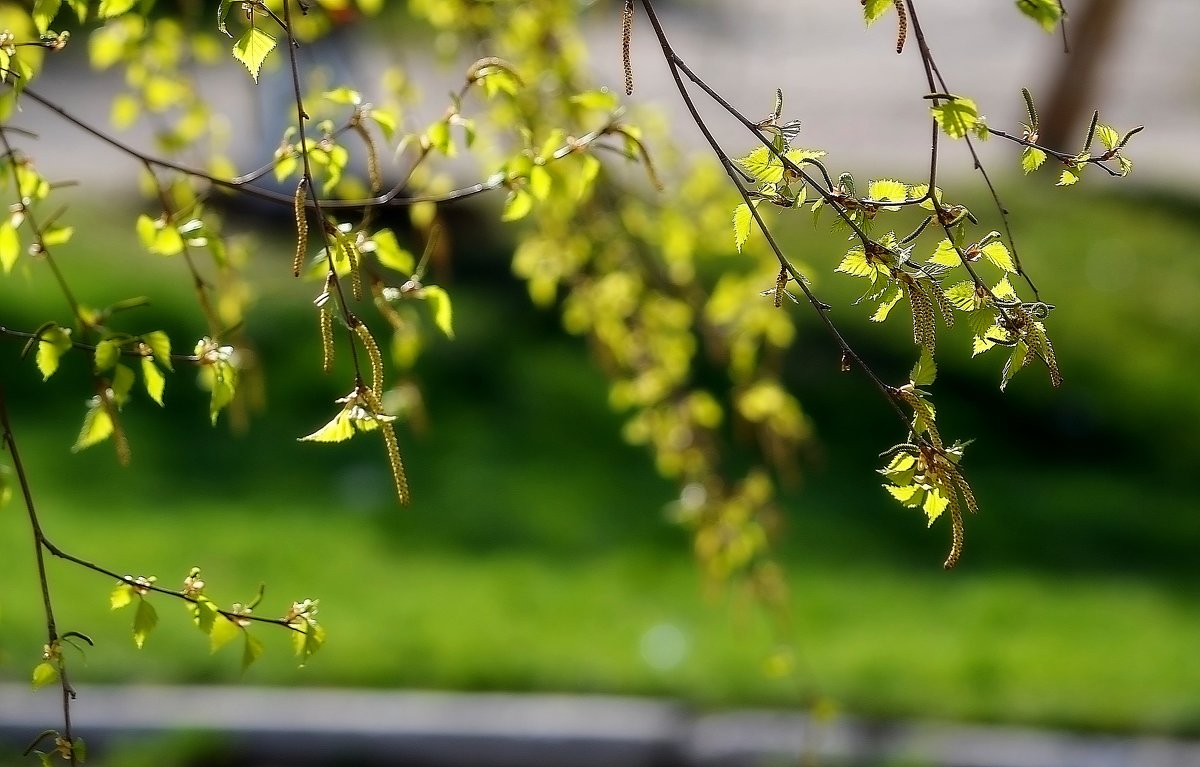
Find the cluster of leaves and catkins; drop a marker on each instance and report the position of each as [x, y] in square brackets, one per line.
[633, 248]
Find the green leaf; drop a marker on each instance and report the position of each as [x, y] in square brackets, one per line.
[956, 117]
[122, 383]
[540, 182]
[57, 235]
[111, 8]
[873, 9]
[742, 220]
[252, 48]
[887, 189]
[153, 379]
[925, 371]
[946, 254]
[517, 206]
[439, 303]
[855, 264]
[97, 426]
[1032, 159]
[160, 344]
[204, 613]
[44, 12]
[962, 296]
[144, 622]
[10, 245]
[1108, 137]
[935, 503]
[909, 495]
[1068, 178]
[998, 254]
[107, 353]
[891, 296]
[307, 639]
[252, 650]
[55, 341]
[340, 429]
[343, 95]
[122, 596]
[389, 253]
[44, 673]
[222, 633]
[1044, 12]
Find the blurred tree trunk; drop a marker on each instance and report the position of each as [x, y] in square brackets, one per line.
[1092, 28]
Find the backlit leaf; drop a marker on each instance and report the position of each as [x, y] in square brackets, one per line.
[44, 12]
[223, 632]
[122, 596]
[144, 622]
[998, 254]
[340, 429]
[153, 379]
[1032, 159]
[1044, 12]
[44, 673]
[873, 9]
[252, 650]
[252, 48]
[10, 246]
[956, 117]
[443, 313]
[97, 427]
[742, 220]
[55, 341]
[925, 371]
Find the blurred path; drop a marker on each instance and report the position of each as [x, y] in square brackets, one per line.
[261, 726]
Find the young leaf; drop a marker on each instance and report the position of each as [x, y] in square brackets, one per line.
[160, 344]
[340, 429]
[925, 371]
[144, 622]
[439, 303]
[956, 117]
[252, 48]
[251, 651]
[111, 8]
[153, 379]
[223, 632]
[998, 254]
[1044, 12]
[1109, 138]
[44, 673]
[517, 206]
[742, 220]
[10, 246]
[935, 503]
[55, 342]
[1032, 159]
[97, 426]
[44, 12]
[873, 9]
[1068, 178]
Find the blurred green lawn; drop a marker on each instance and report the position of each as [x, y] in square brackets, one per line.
[537, 554]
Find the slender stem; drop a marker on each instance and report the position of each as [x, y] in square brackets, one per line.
[676, 65]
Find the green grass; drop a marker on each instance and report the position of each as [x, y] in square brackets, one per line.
[537, 554]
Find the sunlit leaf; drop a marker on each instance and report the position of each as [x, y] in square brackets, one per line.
[223, 632]
[443, 313]
[925, 371]
[54, 342]
[97, 427]
[956, 117]
[742, 221]
[998, 254]
[1032, 159]
[144, 622]
[10, 246]
[1044, 12]
[44, 673]
[340, 429]
[122, 596]
[873, 9]
[252, 48]
[153, 379]
[252, 650]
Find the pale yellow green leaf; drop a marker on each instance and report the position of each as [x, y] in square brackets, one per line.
[1068, 177]
[121, 596]
[44, 12]
[153, 379]
[144, 622]
[517, 206]
[57, 235]
[10, 245]
[443, 312]
[252, 48]
[873, 9]
[44, 673]
[54, 342]
[223, 632]
[935, 503]
[111, 8]
[998, 254]
[339, 429]
[946, 254]
[956, 117]
[1032, 159]
[742, 221]
[925, 371]
[160, 344]
[252, 650]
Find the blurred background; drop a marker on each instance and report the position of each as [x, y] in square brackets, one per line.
[538, 554]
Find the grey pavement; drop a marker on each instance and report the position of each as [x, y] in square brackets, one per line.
[267, 726]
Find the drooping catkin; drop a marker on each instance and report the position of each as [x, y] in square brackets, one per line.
[626, 38]
[373, 174]
[373, 355]
[902, 33]
[300, 212]
[780, 285]
[392, 445]
[956, 531]
[326, 318]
